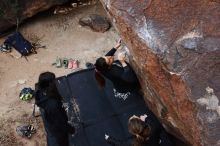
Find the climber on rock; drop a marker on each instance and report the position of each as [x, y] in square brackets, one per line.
[119, 72]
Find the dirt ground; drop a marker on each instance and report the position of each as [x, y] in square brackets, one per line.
[63, 37]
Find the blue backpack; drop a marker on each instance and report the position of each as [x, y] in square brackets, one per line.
[23, 46]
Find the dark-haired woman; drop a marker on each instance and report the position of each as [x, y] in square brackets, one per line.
[52, 112]
[119, 72]
[146, 131]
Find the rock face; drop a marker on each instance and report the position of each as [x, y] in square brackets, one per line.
[10, 10]
[175, 48]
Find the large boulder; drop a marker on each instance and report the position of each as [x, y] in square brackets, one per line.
[12, 11]
[175, 48]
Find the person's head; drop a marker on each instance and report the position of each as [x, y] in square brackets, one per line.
[45, 79]
[46, 82]
[138, 128]
[102, 64]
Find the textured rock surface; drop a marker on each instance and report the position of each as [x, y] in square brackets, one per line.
[95, 22]
[23, 9]
[175, 47]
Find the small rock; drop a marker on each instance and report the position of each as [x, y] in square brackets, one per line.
[35, 59]
[74, 4]
[62, 10]
[22, 81]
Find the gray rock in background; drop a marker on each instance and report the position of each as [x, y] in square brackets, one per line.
[96, 22]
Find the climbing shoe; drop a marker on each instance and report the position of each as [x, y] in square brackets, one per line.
[89, 65]
[25, 130]
[65, 62]
[5, 48]
[26, 94]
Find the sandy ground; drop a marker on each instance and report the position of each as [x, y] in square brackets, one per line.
[63, 37]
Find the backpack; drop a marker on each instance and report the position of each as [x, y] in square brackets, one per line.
[23, 46]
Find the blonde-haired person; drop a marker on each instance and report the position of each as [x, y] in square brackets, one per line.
[146, 131]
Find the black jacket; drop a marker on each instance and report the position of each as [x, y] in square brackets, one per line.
[54, 118]
[124, 79]
[116, 142]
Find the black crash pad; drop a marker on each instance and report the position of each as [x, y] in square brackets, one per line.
[100, 111]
